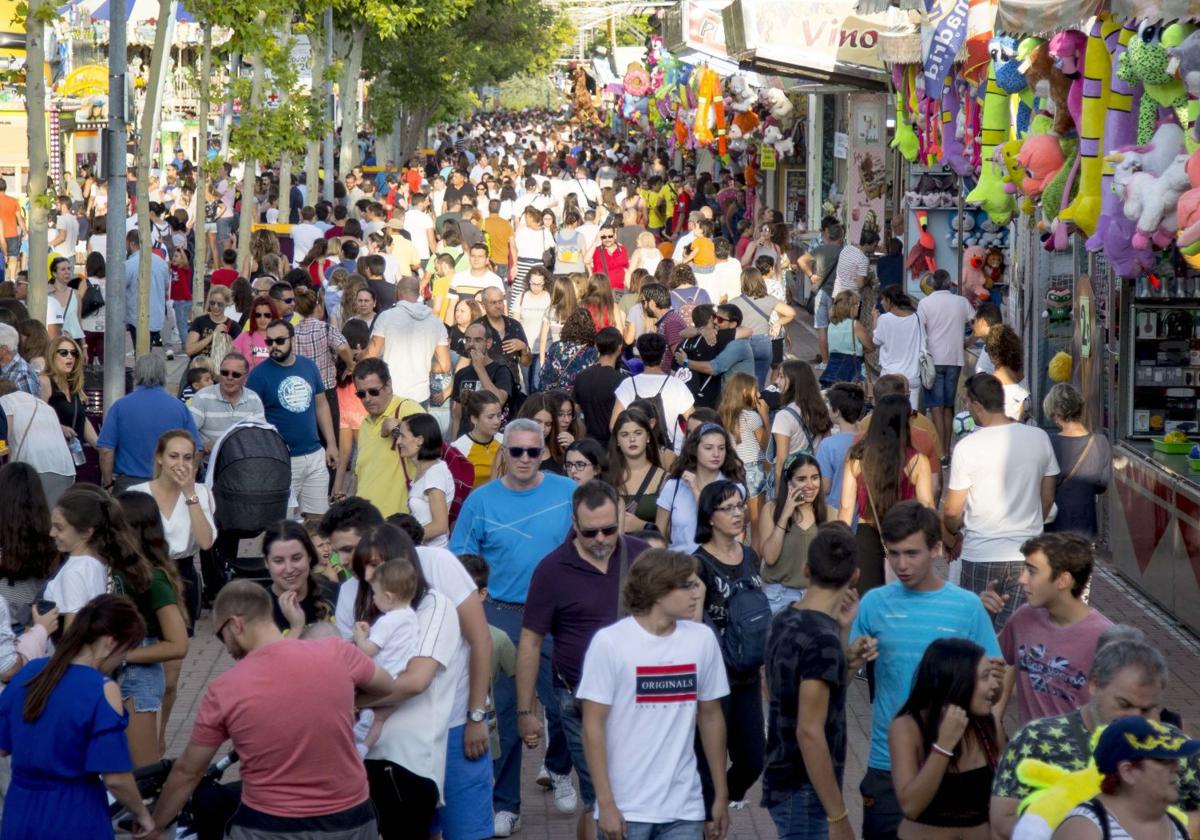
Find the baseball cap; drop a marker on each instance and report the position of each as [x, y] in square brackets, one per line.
[1134, 737]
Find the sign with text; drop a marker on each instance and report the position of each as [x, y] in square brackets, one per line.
[818, 35]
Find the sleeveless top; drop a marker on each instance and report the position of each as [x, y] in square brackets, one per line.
[647, 504]
[908, 490]
[789, 568]
[843, 340]
[961, 800]
[71, 410]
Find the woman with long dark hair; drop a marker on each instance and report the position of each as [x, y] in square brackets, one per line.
[252, 341]
[144, 685]
[803, 417]
[727, 565]
[430, 482]
[26, 547]
[708, 455]
[299, 597]
[787, 528]
[882, 468]
[635, 468]
[945, 743]
[899, 336]
[62, 721]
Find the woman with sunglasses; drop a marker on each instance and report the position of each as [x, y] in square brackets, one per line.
[252, 342]
[203, 330]
[586, 461]
[726, 566]
[62, 389]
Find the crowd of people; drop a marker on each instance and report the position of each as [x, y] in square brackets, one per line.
[558, 481]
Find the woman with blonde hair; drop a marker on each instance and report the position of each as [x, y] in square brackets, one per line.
[646, 255]
[601, 305]
[849, 340]
[564, 299]
[62, 388]
[745, 416]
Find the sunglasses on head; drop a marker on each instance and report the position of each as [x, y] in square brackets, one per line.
[277, 342]
[590, 533]
[531, 451]
[374, 392]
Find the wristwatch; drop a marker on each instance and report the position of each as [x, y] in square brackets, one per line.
[477, 715]
[193, 499]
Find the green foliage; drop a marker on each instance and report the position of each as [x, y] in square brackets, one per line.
[527, 91]
[633, 30]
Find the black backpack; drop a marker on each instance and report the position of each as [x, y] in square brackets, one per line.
[744, 640]
[252, 479]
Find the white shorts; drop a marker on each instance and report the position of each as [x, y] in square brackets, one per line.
[310, 482]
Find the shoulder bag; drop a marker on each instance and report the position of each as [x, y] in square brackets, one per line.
[928, 369]
[1078, 463]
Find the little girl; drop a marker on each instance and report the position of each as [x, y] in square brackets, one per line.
[392, 640]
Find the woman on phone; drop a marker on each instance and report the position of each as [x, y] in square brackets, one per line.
[787, 528]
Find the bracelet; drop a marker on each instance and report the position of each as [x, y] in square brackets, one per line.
[938, 748]
[839, 818]
[523, 712]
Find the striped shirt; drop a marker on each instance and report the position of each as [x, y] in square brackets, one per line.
[214, 414]
[852, 265]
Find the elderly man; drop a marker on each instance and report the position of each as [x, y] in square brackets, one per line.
[513, 523]
[12, 366]
[134, 424]
[217, 407]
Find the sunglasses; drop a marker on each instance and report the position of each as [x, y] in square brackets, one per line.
[518, 451]
[590, 533]
[221, 629]
[262, 314]
[289, 300]
[232, 374]
[606, 239]
[214, 302]
[374, 392]
[64, 353]
[717, 319]
[277, 342]
[575, 466]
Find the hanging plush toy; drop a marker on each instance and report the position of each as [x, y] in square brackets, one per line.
[1067, 51]
[972, 286]
[921, 255]
[993, 267]
[777, 103]
[1145, 62]
[989, 193]
[1185, 64]
[1009, 77]
[953, 153]
[1084, 211]
[741, 96]
[1041, 158]
[1120, 127]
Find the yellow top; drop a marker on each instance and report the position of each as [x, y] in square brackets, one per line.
[380, 475]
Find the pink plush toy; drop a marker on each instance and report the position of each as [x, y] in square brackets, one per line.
[974, 286]
[1042, 157]
[1067, 48]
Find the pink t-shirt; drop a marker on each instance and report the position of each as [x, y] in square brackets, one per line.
[1052, 662]
[252, 345]
[288, 707]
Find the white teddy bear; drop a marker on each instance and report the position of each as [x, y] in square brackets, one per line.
[741, 97]
[777, 103]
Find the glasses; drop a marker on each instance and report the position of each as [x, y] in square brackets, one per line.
[232, 374]
[590, 533]
[64, 353]
[374, 392]
[606, 239]
[733, 507]
[221, 629]
[717, 319]
[215, 302]
[516, 452]
[262, 314]
[289, 300]
[277, 342]
[576, 466]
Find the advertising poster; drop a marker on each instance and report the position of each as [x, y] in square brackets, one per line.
[867, 184]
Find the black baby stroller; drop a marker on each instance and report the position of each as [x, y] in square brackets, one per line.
[251, 482]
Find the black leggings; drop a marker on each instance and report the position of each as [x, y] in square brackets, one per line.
[404, 801]
[745, 741]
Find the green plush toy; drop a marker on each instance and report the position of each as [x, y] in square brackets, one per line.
[1145, 62]
[989, 194]
[1052, 196]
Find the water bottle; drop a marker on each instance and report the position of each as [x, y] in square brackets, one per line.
[77, 451]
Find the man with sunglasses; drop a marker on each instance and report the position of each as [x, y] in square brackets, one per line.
[736, 356]
[378, 469]
[293, 397]
[575, 591]
[219, 406]
[513, 523]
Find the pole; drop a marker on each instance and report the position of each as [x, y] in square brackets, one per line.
[114, 289]
[327, 149]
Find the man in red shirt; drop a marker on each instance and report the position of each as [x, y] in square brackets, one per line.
[288, 706]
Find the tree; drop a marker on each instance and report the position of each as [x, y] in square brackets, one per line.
[37, 14]
[206, 52]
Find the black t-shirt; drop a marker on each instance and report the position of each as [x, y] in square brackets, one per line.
[385, 294]
[317, 606]
[717, 577]
[458, 340]
[204, 326]
[454, 193]
[512, 329]
[802, 645]
[467, 380]
[705, 387]
[596, 392]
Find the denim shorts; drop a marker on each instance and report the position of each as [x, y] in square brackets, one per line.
[146, 684]
[800, 816]
[821, 310]
[945, 387]
[756, 478]
[780, 596]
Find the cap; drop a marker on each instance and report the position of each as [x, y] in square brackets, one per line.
[395, 224]
[1134, 737]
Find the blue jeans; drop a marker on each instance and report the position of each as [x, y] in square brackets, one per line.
[506, 793]
[780, 596]
[800, 816]
[572, 725]
[183, 311]
[677, 830]
[761, 345]
[945, 387]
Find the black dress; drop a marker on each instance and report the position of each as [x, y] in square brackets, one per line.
[71, 411]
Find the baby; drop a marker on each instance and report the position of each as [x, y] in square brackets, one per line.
[392, 640]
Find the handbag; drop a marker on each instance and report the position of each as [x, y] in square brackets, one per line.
[1078, 462]
[928, 369]
[93, 300]
[548, 255]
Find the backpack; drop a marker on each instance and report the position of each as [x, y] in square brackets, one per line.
[1101, 814]
[771, 453]
[744, 640]
[657, 402]
[252, 479]
[463, 472]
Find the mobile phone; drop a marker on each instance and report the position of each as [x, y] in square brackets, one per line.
[44, 606]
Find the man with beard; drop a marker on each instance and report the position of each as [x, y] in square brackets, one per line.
[293, 398]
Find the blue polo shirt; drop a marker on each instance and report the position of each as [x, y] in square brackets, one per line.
[513, 530]
[134, 424]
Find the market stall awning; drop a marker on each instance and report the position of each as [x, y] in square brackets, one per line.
[1045, 17]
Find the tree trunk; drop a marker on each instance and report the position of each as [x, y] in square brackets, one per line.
[235, 63]
[416, 123]
[39, 164]
[285, 190]
[348, 94]
[249, 208]
[312, 158]
[198, 224]
[166, 13]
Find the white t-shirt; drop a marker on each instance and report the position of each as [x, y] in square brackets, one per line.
[396, 633]
[303, 237]
[35, 436]
[437, 477]
[676, 399]
[531, 244]
[68, 224]
[178, 526]
[1001, 468]
[899, 342]
[1016, 401]
[78, 581]
[411, 333]
[787, 423]
[984, 363]
[725, 280]
[466, 284]
[652, 685]
[852, 266]
[417, 222]
[946, 317]
[415, 733]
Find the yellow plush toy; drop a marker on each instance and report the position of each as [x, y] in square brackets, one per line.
[1084, 210]
[1060, 367]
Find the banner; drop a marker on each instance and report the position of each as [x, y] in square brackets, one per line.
[943, 34]
[866, 187]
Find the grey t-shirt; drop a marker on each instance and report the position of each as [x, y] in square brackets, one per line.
[1076, 496]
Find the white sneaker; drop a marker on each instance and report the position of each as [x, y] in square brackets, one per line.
[737, 805]
[543, 778]
[170, 355]
[506, 823]
[565, 797]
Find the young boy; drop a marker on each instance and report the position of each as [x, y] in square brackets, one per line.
[846, 402]
[197, 378]
[701, 253]
[807, 674]
[227, 273]
[903, 618]
[480, 445]
[504, 652]
[1051, 640]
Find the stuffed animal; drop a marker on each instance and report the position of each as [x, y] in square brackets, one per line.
[1067, 50]
[1052, 87]
[1145, 62]
[989, 192]
[1003, 49]
[972, 285]
[1084, 211]
[1036, 64]
[1120, 127]
[921, 255]
[1058, 304]
[953, 152]
[773, 137]
[1185, 64]
[1042, 158]
[905, 139]
[1151, 197]
[777, 103]
[741, 97]
[1059, 369]
[993, 267]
